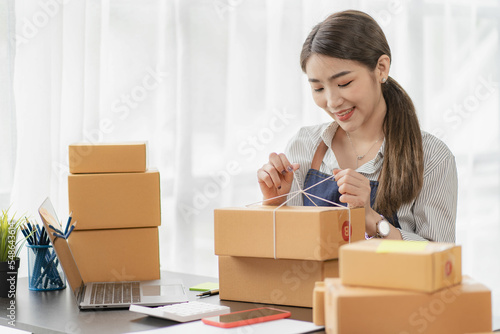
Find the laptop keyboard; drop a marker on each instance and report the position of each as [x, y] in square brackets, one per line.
[115, 293]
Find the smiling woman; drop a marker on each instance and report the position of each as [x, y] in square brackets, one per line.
[407, 181]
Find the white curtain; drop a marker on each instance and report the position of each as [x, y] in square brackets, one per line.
[214, 86]
[7, 106]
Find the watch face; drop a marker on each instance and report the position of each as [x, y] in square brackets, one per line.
[383, 228]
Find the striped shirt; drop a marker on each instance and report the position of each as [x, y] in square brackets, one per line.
[430, 216]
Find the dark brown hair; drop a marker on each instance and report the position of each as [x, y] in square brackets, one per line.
[354, 35]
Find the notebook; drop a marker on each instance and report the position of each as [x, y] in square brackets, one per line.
[98, 295]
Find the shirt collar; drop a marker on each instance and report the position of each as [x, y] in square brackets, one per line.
[329, 133]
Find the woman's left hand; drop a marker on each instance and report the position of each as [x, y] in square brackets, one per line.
[356, 190]
[354, 187]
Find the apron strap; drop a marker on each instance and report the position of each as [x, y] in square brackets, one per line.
[319, 155]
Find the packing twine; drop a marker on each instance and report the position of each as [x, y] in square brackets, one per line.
[297, 193]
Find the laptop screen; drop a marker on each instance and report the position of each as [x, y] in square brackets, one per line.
[68, 263]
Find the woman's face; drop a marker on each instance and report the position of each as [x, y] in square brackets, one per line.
[347, 90]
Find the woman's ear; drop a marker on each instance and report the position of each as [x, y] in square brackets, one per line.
[382, 69]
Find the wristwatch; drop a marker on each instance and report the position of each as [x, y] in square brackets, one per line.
[383, 228]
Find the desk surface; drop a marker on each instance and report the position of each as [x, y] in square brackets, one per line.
[56, 311]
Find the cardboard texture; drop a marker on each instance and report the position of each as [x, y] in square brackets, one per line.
[270, 281]
[462, 308]
[115, 200]
[107, 158]
[302, 233]
[116, 255]
[319, 303]
[396, 264]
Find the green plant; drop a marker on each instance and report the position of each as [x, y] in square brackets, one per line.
[9, 229]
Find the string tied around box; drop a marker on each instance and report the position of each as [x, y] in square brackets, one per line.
[305, 193]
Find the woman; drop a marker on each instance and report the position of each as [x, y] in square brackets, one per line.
[406, 179]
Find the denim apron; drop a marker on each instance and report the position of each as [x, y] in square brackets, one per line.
[329, 189]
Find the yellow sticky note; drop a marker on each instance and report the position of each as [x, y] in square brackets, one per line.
[205, 286]
[400, 246]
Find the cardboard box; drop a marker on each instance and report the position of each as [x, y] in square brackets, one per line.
[115, 200]
[319, 303]
[462, 308]
[396, 264]
[107, 158]
[302, 233]
[117, 255]
[270, 281]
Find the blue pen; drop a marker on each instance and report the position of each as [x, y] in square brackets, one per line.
[41, 238]
[23, 230]
[69, 221]
[31, 229]
[29, 236]
[26, 235]
[47, 269]
[55, 229]
[45, 240]
[38, 234]
[57, 235]
[71, 229]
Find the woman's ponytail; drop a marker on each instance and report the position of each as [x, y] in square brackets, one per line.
[402, 174]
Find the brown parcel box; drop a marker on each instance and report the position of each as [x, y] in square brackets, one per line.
[107, 158]
[115, 200]
[270, 281]
[127, 254]
[302, 233]
[319, 303]
[461, 308]
[396, 264]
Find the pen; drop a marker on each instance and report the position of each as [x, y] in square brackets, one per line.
[69, 221]
[24, 230]
[29, 235]
[71, 229]
[208, 293]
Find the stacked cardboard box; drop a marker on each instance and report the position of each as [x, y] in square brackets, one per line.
[115, 201]
[275, 255]
[388, 286]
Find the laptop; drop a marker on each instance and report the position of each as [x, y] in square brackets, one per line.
[99, 295]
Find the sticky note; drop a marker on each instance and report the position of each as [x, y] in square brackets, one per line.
[400, 246]
[204, 286]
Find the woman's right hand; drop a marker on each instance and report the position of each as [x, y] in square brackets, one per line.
[276, 177]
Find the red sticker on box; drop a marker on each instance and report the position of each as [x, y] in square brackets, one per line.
[345, 231]
[448, 268]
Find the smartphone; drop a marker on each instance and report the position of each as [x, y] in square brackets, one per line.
[247, 317]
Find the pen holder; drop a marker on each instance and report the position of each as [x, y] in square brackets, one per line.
[44, 270]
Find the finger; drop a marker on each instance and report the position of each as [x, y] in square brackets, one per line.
[350, 189]
[273, 174]
[264, 178]
[286, 164]
[351, 200]
[339, 173]
[289, 168]
[349, 175]
[347, 179]
[275, 160]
